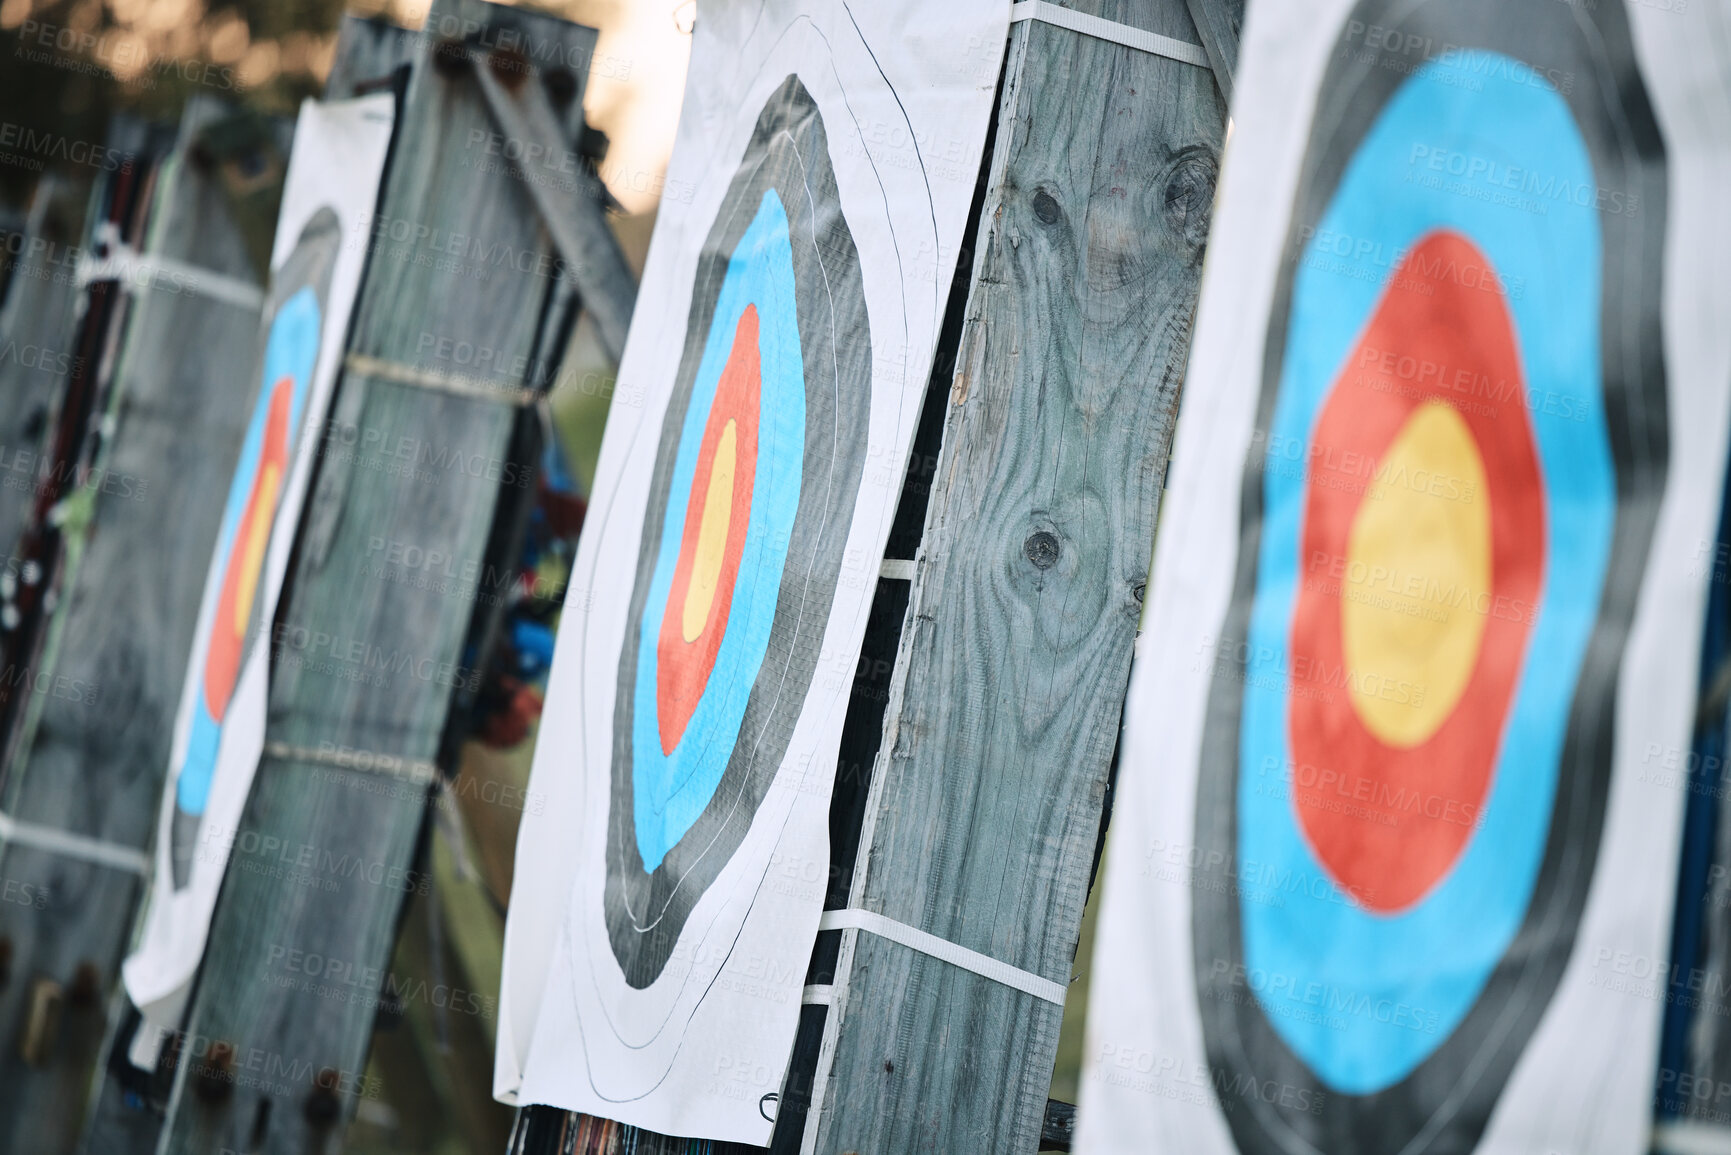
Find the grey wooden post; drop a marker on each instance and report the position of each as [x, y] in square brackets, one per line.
[367, 650]
[1219, 22]
[985, 801]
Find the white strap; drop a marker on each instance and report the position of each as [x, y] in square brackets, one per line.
[896, 569]
[1684, 1137]
[148, 270]
[1101, 29]
[930, 944]
[69, 845]
[399, 374]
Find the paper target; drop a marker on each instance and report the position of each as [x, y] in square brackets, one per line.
[756, 479]
[1447, 513]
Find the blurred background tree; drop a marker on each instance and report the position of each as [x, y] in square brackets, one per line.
[66, 66]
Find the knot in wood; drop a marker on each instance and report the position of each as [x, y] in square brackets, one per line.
[1046, 208]
[1188, 198]
[1042, 549]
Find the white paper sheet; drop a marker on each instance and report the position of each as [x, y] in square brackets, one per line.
[1319, 932]
[815, 205]
[329, 196]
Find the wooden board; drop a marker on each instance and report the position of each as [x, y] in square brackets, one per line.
[382, 680]
[1219, 23]
[984, 807]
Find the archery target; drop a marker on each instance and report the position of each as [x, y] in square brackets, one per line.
[1446, 515]
[756, 478]
[292, 340]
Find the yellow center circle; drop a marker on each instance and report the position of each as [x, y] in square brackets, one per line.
[252, 549]
[1417, 579]
[711, 536]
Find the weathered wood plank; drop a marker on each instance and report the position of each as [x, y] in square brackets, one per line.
[366, 654]
[369, 52]
[1695, 1045]
[578, 224]
[985, 801]
[1219, 23]
[104, 687]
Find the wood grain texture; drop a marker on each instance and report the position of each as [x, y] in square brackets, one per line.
[1219, 23]
[572, 210]
[366, 653]
[1009, 685]
[104, 694]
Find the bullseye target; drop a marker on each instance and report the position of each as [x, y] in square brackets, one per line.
[1446, 515]
[756, 478]
[292, 339]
